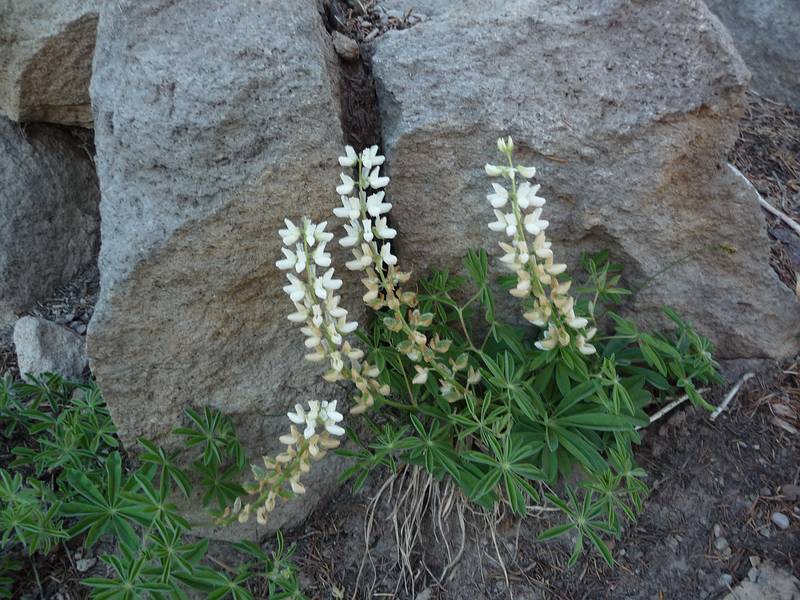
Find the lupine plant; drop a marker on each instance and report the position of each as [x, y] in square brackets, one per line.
[68, 479]
[506, 411]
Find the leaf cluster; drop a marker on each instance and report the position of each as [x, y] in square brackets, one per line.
[535, 417]
[70, 478]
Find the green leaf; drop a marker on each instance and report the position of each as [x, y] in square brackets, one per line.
[555, 532]
[577, 394]
[598, 421]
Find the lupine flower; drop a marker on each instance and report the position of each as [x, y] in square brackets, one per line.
[376, 206]
[493, 170]
[314, 299]
[322, 414]
[375, 180]
[499, 198]
[368, 236]
[505, 146]
[350, 158]
[548, 304]
[291, 234]
[347, 185]
[370, 157]
[421, 376]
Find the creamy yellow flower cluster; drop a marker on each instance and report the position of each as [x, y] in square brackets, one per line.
[290, 465]
[368, 234]
[546, 297]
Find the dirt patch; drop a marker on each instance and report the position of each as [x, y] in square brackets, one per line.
[365, 20]
[768, 153]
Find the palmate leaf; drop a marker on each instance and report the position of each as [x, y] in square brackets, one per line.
[432, 448]
[215, 433]
[101, 510]
[507, 462]
[575, 395]
[167, 465]
[217, 585]
[130, 583]
[147, 506]
[584, 516]
[600, 421]
[167, 546]
[219, 484]
[578, 447]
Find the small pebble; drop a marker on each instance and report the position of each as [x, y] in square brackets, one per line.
[780, 520]
[721, 544]
[717, 530]
[84, 564]
[790, 492]
[765, 492]
[345, 47]
[78, 327]
[726, 579]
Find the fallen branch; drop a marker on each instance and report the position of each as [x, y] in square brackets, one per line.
[794, 225]
[668, 408]
[730, 395]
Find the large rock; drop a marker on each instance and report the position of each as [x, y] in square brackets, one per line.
[44, 347]
[46, 51]
[214, 121]
[627, 110]
[767, 33]
[49, 221]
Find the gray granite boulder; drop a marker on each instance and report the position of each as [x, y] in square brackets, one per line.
[49, 221]
[44, 347]
[46, 49]
[627, 110]
[767, 34]
[214, 121]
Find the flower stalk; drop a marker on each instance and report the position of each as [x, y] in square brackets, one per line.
[546, 298]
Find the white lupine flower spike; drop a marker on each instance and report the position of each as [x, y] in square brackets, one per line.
[546, 300]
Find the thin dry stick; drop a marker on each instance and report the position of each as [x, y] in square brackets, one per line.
[668, 408]
[794, 225]
[730, 395]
